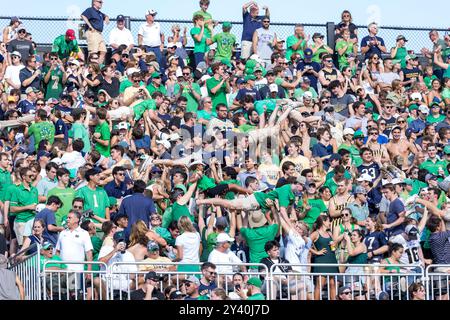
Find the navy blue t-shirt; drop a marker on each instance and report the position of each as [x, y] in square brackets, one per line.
[26, 106]
[137, 207]
[316, 67]
[205, 290]
[61, 128]
[143, 143]
[95, 18]
[242, 93]
[319, 150]
[26, 74]
[374, 49]
[375, 241]
[395, 208]
[49, 218]
[250, 25]
[373, 170]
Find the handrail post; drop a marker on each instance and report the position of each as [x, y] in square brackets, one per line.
[330, 26]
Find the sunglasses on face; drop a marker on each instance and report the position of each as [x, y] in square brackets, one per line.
[40, 104]
[401, 121]
[53, 59]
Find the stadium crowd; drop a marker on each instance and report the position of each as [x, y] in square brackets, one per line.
[285, 151]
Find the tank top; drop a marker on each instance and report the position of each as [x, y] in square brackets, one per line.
[11, 33]
[265, 41]
[330, 75]
[397, 269]
[339, 207]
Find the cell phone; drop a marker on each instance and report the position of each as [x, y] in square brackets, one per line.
[237, 287]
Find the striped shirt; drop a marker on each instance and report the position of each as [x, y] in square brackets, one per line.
[440, 247]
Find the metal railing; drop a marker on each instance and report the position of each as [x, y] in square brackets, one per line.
[438, 282]
[45, 29]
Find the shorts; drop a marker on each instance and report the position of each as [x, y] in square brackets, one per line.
[11, 227]
[217, 190]
[245, 203]
[19, 229]
[246, 49]
[95, 41]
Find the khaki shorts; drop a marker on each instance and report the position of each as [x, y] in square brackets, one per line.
[19, 229]
[246, 49]
[95, 41]
[246, 203]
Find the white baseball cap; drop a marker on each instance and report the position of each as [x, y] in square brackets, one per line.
[151, 12]
[273, 87]
[416, 95]
[122, 125]
[165, 143]
[364, 177]
[224, 237]
[349, 131]
[424, 109]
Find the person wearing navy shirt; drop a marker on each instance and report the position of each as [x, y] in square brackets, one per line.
[248, 90]
[309, 68]
[118, 187]
[28, 104]
[396, 214]
[323, 149]
[368, 166]
[372, 44]
[95, 20]
[376, 240]
[251, 22]
[31, 76]
[420, 123]
[51, 231]
[137, 206]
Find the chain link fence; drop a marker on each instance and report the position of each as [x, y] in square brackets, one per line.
[45, 29]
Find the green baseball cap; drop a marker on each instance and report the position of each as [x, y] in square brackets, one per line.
[226, 62]
[413, 107]
[358, 134]
[396, 61]
[408, 182]
[254, 282]
[227, 24]
[181, 187]
[156, 75]
[249, 77]
[447, 150]
[47, 245]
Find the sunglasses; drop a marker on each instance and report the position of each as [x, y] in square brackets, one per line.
[125, 56]
[53, 59]
[373, 133]
[121, 174]
[22, 31]
[324, 101]
[266, 21]
[137, 80]
[186, 74]
[401, 121]
[347, 293]
[77, 207]
[40, 104]
[328, 61]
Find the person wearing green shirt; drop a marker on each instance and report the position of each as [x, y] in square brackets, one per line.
[24, 199]
[5, 176]
[319, 47]
[42, 129]
[156, 85]
[53, 77]
[219, 85]
[225, 43]
[207, 18]
[199, 36]
[180, 197]
[63, 192]
[94, 197]
[189, 89]
[435, 115]
[346, 48]
[80, 127]
[297, 42]
[399, 52]
[66, 46]
[254, 290]
[433, 164]
[102, 135]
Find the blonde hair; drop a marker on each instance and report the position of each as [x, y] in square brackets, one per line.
[185, 224]
[138, 233]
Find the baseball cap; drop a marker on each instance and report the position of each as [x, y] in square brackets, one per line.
[122, 125]
[165, 143]
[15, 19]
[151, 12]
[343, 289]
[21, 27]
[175, 295]
[308, 53]
[255, 282]
[396, 181]
[171, 45]
[43, 153]
[273, 87]
[434, 104]
[17, 54]
[307, 95]
[250, 77]
[156, 75]
[401, 37]
[301, 180]
[364, 177]
[224, 237]
[227, 24]
[181, 187]
[360, 190]
[335, 156]
[193, 279]
[112, 202]
[306, 79]
[416, 95]
[152, 246]
[318, 35]
[221, 222]
[358, 134]
[430, 176]
[117, 216]
[11, 99]
[447, 150]
[47, 245]
[30, 90]
[410, 56]
[120, 17]
[70, 33]
[152, 276]
[349, 131]
[408, 182]
[119, 236]
[424, 109]
[412, 231]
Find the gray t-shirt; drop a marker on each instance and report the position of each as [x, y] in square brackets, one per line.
[265, 41]
[8, 288]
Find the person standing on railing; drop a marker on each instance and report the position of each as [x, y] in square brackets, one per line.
[207, 17]
[95, 20]
[151, 37]
[10, 32]
[264, 41]
[251, 22]
[372, 44]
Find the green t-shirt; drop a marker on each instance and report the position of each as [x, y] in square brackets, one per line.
[330, 183]
[192, 103]
[211, 242]
[152, 89]
[66, 196]
[97, 200]
[203, 114]
[401, 55]
[220, 96]
[22, 197]
[55, 264]
[206, 16]
[342, 59]
[290, 41]
[96, 245]
[427, 80]
[7, 196]
[298, 93]
[257, 296]
[65, 49]
[179, 211]
[256, 238]
[105, 134]
[246, 128]
[206, 183]
[5, 181]
[432, 119]
[284, 195]
[199, 46]
[125, 84]
[445, 93]
[42, 130]
[225, 44]
[316, 55]
[432, 167]
[54, 85]
[269, 103]
[79, 131]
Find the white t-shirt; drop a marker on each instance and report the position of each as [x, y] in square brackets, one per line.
[73, 160]
[12, 73]
[73, 246]
[218, 257]
[121, 37]
[151, 34]
[122, 280]
[411, 249]
[191, 246]
[296, 251]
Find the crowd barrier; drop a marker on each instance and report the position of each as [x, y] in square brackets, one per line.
[303, 282]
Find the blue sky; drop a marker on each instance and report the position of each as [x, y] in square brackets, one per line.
[388, 12]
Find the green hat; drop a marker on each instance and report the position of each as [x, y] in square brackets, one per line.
[112, 201]
[226, 24]
[47, 245]
[257, 69]
[447, 150]
[156, 75]
[358, 134]
[408, 182]
[413, 107]
[249, 77]
[181, 187]
[396, 61]
[226, 62]
[434, 103]
[254, 282]
[102, 91]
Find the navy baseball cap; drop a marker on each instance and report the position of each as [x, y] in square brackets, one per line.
[120, 17]
[308, 53]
